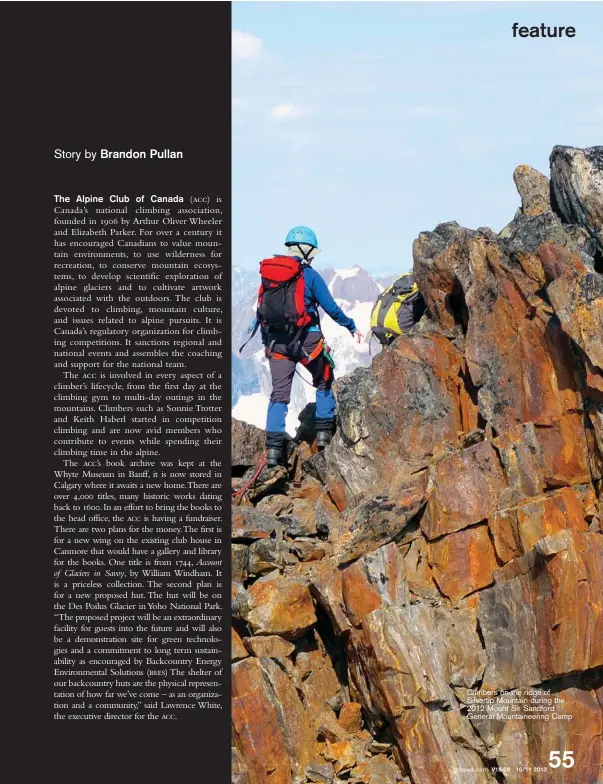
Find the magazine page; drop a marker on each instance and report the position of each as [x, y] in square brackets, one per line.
[304, 373]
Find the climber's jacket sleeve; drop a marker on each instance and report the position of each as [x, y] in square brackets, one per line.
[317, 292]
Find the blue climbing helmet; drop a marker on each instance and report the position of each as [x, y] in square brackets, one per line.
[301, 235]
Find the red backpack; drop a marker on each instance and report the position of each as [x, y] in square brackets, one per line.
[281, 300]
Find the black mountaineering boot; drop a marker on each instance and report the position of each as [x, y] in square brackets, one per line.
[325, 430]
[274, 457]
[323, 439]
[274, 449]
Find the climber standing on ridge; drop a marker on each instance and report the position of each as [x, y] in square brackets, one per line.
[288, 300]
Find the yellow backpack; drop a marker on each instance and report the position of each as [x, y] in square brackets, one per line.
[397, 309]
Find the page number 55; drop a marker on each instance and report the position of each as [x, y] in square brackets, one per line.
[555, 759]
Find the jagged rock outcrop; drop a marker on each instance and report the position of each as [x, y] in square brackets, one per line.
[576, 185]
[248, 445]
[422, 376]
[534, 190]
[411, 598]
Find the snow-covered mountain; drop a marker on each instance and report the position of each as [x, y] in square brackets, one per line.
[243, 281]
[354, 290]
[244, 378]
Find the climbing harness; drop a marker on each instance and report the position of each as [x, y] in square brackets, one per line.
[321, 348]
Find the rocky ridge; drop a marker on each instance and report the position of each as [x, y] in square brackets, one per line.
[448, 542]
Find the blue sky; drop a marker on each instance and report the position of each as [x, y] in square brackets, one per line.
[371, 122]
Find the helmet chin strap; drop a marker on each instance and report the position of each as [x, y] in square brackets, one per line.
[306, 255]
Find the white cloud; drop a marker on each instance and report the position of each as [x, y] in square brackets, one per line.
[246, 46]
[288, 111]
[425, 112]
